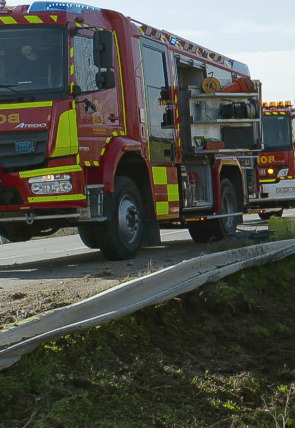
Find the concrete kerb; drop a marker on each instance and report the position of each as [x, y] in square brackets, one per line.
[136, 294]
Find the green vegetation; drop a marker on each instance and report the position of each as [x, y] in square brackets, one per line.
[283, 228]
[220, 357]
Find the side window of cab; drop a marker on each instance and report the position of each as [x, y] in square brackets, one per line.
[85, 69]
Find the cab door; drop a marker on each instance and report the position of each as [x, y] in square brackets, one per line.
[159, 103]
[100, 115]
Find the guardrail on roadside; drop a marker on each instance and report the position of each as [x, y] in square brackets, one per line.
[133, 295]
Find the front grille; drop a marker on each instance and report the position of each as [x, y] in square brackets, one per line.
[22, 149]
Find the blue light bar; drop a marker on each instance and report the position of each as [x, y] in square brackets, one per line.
[46, 6]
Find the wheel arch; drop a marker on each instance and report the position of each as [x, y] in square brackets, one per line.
[118, 148]
[132, 165]
[123, 157]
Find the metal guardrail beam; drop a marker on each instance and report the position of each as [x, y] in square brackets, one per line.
[134, 295]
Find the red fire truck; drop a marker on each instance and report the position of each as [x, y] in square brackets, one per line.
[277, 159]
[120, 129]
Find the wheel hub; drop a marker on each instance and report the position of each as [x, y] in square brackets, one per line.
[128, 220]
[227, 208]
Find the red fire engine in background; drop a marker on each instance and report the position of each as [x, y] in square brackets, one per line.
[120, 129]
[277, 159]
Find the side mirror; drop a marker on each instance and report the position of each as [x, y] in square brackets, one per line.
[105, 79]
[103, 49]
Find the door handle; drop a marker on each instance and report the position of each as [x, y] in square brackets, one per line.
[113, 118]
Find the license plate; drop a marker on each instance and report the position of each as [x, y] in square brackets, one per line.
[24, 147]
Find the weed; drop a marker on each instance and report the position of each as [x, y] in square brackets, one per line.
[104, 272]
[150, 267]
[261, 331]
[282, 407]
[127, 278]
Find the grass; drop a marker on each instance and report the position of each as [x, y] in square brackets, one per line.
[283, 228]
[220, 357]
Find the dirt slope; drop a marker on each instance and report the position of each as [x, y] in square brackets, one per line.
[42, 286]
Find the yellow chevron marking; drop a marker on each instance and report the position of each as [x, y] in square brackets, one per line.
[8, 20]
[33, 19]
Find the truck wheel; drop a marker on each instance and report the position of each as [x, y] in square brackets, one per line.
[267, 216]
[201, 231]
[222, 227]
[227, 226]
[88, 235]
[120, 238]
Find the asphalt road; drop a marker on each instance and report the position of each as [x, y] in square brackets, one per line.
[65, 246]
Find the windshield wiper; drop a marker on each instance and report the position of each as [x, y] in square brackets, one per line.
[22, 96]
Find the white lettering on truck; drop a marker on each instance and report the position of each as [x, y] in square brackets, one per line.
[31, 125]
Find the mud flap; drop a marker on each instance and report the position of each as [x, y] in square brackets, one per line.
[151, 234]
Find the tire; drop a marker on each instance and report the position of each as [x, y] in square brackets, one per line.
[18, 233]
[220, 228]
[227, 226]
[267, 216]
[201, 232]
[120, 238]
[89, 235]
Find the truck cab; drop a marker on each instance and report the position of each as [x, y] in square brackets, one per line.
[276, 160]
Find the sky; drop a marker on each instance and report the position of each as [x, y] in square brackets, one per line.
[260, 33]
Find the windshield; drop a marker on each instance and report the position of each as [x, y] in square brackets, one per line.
[276, 132]
[31, 62]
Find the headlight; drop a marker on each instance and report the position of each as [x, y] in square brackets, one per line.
[51, 184]
[283, 172]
